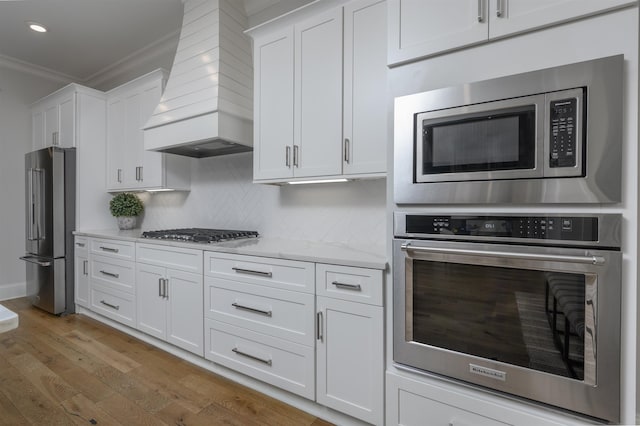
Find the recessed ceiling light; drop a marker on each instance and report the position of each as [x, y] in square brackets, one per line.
[37, 27]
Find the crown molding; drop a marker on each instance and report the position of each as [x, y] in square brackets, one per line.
[36, 70]
[163, 46]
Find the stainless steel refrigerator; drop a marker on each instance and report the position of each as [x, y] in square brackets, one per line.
[50, 222]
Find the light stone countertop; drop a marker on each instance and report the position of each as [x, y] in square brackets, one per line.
[306, 251]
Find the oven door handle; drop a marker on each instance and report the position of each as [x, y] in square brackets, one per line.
[592, 260]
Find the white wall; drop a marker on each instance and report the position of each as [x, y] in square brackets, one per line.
[17, 91]
[223, 196]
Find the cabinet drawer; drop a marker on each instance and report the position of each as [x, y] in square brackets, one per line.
[113, 273]
[113, 248]
[280, 313]
[278, 273]
[117, 305]
[81, 247]
[170, 257]
[277, 362]
[349, 283]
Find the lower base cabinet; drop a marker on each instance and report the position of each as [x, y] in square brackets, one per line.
[350, 361]
[81, 274]
[169, 306]
[279, 362]
[414, 402]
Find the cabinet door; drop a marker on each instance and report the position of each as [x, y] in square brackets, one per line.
[37, 129]
[81, 275]
[151, 305]
[185, 327]
[350, 364]
[514, 16]
[66, 125]
[365, 95]
[51, 125]
[419, 28]
[273, 100]
[318, 96]
[131, 123]
[115, 143]
[149, 165]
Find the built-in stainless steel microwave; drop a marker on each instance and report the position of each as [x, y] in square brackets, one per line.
[546, 136]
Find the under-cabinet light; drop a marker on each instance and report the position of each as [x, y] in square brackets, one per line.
[302, 182]
[160, 190]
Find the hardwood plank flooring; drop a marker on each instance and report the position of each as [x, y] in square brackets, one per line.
[76, 371]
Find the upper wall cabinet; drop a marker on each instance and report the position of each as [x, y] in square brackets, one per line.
[129, 166]
[419, 28]
[320, 94]
[53, 119]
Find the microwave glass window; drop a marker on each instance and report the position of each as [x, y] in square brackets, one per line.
[502, 140]
[529, 318]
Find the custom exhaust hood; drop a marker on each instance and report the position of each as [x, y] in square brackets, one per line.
[206, 108]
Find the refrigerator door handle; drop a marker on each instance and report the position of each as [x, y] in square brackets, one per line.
[31, 207]
[37, 261]
[35, 194]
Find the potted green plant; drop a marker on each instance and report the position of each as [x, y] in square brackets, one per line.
[125, 207]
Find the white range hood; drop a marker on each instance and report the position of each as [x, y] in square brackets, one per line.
[206, 108]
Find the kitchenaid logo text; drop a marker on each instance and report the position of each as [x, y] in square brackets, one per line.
[488, 372]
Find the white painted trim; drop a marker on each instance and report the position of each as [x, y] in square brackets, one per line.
[160, 47]
[38, 71]
[13, 290]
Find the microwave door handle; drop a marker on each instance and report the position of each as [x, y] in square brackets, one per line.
[592, 260]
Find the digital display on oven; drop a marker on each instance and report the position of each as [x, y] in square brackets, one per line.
[530, 227]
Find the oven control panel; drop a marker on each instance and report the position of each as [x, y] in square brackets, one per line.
[564, 228]
[563, 135]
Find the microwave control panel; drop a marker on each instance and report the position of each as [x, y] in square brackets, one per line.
[563, 119]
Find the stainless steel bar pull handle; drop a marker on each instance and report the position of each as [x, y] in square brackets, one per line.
[239, 352]
[160, 288]
[593, 260]
[109, 249]
[116, 307]
[347, 147]
[319, 326]
[247, 308]
[252, 272]
[287, 156]
[296, 155]
[85, 267]
[31, 208]
[166, 288]
[481, 17]
[110, 274]
[499, 8]
[355, 287]
[55, 138]
[119, 175]
[35, 260]
[80, 244]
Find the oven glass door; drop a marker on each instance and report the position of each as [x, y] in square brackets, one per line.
[538, 319]
[498, 140]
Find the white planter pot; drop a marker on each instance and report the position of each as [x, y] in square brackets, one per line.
[126, 222]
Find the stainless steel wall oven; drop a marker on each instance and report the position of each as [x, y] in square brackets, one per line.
[523, 304]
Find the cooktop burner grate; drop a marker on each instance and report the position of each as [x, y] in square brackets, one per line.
[199, 235]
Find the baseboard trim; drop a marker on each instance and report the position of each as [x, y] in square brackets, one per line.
[13, 290]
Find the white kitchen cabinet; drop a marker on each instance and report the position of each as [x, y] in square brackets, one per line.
[53, 118]
[350, 341]
[410, 401]
[81, 274]
[259, 319]
[112, 279]
[364, 93]
[317, 124]
[418, 29]
[129, 166]
[169, 302]
[273, 100]
[317, 115]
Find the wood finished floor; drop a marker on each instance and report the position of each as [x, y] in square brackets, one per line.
[77, 371]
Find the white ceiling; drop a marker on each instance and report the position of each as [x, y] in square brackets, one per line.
[87, 37]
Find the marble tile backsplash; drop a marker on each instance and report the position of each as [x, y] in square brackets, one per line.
[223, 196]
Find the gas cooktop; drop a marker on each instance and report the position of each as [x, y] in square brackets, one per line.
[199, 235]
